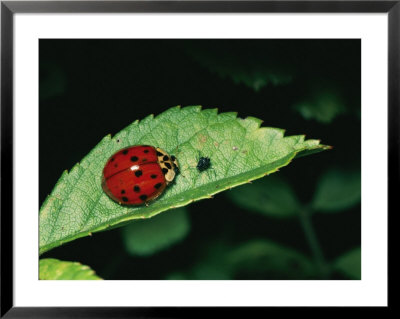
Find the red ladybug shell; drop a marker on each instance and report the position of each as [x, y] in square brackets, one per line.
[138, 174]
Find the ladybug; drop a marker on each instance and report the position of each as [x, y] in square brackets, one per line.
[203, 164]
[138, 174]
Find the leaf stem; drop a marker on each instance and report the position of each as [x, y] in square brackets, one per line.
[305, 220]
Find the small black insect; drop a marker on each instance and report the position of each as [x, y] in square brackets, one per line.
[203, 164]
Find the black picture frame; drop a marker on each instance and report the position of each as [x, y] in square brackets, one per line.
[9, 8]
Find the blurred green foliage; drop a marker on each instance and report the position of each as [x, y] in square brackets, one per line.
[303, 222]
[271, 196]
[322, 106]
[250, 66]
[252, 260]
[337, 190]
[147, 237]
[350, 264]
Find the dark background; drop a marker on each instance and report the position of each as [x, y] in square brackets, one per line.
[90, 88]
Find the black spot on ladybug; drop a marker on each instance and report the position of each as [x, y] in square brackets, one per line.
[112, 159]
[125, 152]
[165, 158]
[136, 189]
[157, 186]
[143, 197]
[203, 164]
[138, 173]
[168, 165]
[125, 199]
[115, 165]
[165, 170]
[153, 176]
[159, 154]
[123, 191]
[146, 151]
[173, 158]
[134, 158]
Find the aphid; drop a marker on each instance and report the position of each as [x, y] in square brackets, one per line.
[138, 174]
[203, 164]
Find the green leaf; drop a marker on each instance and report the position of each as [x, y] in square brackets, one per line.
[322, 106]
[214, 264]
[322, 100]
[54, 269]
[337, 190]
[254, 67]
[146, 237]
[270, 195]
[211, 265]
[264, 259]
[350, 264]
[258, 259]
[239, 149]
